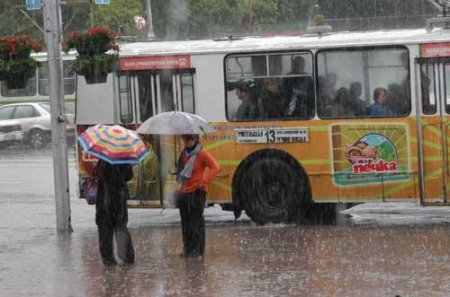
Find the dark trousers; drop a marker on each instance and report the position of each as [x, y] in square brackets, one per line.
[111, 218]
[191, 207]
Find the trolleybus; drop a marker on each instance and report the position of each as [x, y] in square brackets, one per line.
[302, 121]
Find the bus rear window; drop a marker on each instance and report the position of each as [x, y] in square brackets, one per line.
[69, 78]
[363, 82]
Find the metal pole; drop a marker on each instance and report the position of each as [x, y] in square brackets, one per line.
[150, 32]
[52, 25]
[91, 14]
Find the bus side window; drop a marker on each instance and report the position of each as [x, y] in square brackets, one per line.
[69, 78]
[145, 95]
[447, 88]
[125, 106]
[361, 71]
[270, 86]
[44, 79]
[187, 92]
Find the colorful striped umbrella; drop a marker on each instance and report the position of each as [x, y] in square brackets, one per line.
[114, 144]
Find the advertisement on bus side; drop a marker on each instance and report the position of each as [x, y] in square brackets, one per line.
[369, 153]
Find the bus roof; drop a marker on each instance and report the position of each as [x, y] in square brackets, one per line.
[249, 44]
[42, 56]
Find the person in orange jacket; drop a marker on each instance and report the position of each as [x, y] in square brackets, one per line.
[192, 186]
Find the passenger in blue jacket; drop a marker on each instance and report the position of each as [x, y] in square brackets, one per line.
[380, 108]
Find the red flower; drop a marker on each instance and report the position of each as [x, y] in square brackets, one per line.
[18, 44]
[96, 40]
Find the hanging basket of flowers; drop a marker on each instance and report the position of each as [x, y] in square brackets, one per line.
[16, 65]
[93, 61]
[19, 71]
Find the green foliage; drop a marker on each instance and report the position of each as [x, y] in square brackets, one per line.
[182, 19]
[15, 72]
[118, 15]
[212, 18]
[101, 63]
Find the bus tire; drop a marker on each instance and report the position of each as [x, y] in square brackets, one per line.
[273, 187]
[36, 138]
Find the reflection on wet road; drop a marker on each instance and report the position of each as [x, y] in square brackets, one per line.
[281, 261]
[357, 258]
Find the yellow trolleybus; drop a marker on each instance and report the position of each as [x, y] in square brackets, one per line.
[302, 121]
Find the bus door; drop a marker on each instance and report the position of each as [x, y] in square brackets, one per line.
[433, 86]
[145, 93]
[174, 92]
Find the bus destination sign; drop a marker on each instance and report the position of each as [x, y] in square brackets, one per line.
[271, 135]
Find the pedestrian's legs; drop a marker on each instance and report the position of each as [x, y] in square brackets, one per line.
[125, 248]
[105, 238]
[196, 223]
[105, 225]
[183, 205]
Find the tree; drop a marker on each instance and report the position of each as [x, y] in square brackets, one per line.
[184, 19]
[116, 17]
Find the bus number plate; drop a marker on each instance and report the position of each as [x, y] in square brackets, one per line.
[269, 135]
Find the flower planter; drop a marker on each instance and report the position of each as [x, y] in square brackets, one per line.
[95, 77]
[17, 80]
[4, 56]
[16, 66]
[92, 62]
[95, 69]
[3, 74]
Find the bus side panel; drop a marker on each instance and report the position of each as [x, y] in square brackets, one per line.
[433, 161]
[387, 175]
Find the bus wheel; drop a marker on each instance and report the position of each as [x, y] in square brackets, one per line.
[275, 189]
[36, 138]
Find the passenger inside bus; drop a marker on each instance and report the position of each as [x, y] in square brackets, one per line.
[299, 90]
[271, 104]
[358, 105]
[397, 101]
[247, 109]
[326, 92]
[342, 105]
[380, 107]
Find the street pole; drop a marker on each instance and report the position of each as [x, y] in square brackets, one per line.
[52, 26]
[150, 31]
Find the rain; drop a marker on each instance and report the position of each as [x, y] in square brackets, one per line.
[376, 249]
[314, 197]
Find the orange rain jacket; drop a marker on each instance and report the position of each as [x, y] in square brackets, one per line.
[198, 178]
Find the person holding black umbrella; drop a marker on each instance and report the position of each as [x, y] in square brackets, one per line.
[192, 187]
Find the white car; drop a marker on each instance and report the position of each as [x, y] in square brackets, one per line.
[35, 121]
[10, 131]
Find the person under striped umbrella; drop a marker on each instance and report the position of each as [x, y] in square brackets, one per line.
[117, 149]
